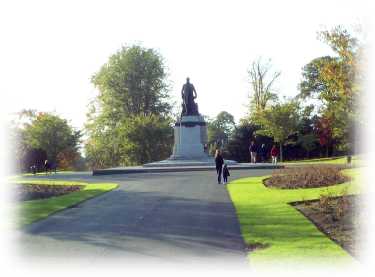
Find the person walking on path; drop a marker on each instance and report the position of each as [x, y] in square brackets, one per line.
[274, 154]
[253, 152]
[219, 161]
[225, 173]
[263, 153]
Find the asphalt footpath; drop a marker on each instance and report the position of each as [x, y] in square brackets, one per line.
[161, 217]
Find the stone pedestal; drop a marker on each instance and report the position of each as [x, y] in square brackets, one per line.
[190, 136]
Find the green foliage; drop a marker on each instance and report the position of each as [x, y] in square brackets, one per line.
[307, 142]
[279, 121]
[335, 82]
[220, 129]
[45, 136]
[132, 82]
[148, 138]
[135, 140]
[128, 123]
[238, 146]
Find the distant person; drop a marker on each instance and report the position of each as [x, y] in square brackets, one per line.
[33, 169]
[274, 154]
[47, 166]
[263, 153]
[219, 161]
[253, 152]
[225, 173]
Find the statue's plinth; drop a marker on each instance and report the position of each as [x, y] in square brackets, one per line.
[190, 136]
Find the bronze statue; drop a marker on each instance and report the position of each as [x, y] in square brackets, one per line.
[188, 93]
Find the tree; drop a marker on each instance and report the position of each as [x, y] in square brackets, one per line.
[46, 135]
[148, 138]
[220, 129]
[132, 82]
[132, 87]
[307, 142]
[238, 145]
[323, 129]
[335, 82]
[262, 80]
[280, 121]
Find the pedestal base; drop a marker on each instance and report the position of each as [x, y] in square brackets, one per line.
[190, 136]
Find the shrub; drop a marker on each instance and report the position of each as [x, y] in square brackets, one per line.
[306, 177]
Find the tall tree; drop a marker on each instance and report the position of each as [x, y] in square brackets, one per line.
[220, 129]
[335, 82]
[279, 122]
[262, 79]
[132, 86]
[148, 138]
[132, 82]
[323, 129]
[238, 145]
[54, 135]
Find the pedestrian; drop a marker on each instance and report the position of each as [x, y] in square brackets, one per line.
[33, 169]
[219, 161]
[47, 166]
[253, 152]
[274, 154]
[263, 153]
[225, 173]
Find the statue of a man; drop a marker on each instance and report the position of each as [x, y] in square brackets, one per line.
[188, 93]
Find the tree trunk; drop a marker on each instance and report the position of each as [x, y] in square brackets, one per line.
[281, 152]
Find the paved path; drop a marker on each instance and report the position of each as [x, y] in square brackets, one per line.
[160, 216]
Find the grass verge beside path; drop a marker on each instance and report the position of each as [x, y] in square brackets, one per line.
[267, 218]
[34, 210]
[356, 161]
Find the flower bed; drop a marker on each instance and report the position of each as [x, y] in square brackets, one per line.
[27, 192]
[306, 177]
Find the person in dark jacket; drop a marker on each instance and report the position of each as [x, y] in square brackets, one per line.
[253, 152]
[263, 153]
[219, 161]
[225, 173]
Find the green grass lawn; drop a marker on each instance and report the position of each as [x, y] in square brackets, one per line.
[357, 161]
[33, 210]
[266, 217]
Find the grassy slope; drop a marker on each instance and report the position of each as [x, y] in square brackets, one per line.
[266, 217]
[30, 211]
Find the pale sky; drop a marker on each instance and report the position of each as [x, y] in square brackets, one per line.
[50, 49]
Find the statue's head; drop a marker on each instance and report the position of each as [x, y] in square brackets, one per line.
[187, 80]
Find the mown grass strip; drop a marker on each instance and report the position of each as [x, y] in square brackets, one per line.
[267, 218]
[34, 210]
[356, 161]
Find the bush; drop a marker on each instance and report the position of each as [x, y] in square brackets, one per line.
[306, 177]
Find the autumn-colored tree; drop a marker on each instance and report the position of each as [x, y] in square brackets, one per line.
[334, 80]
[323, 129]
